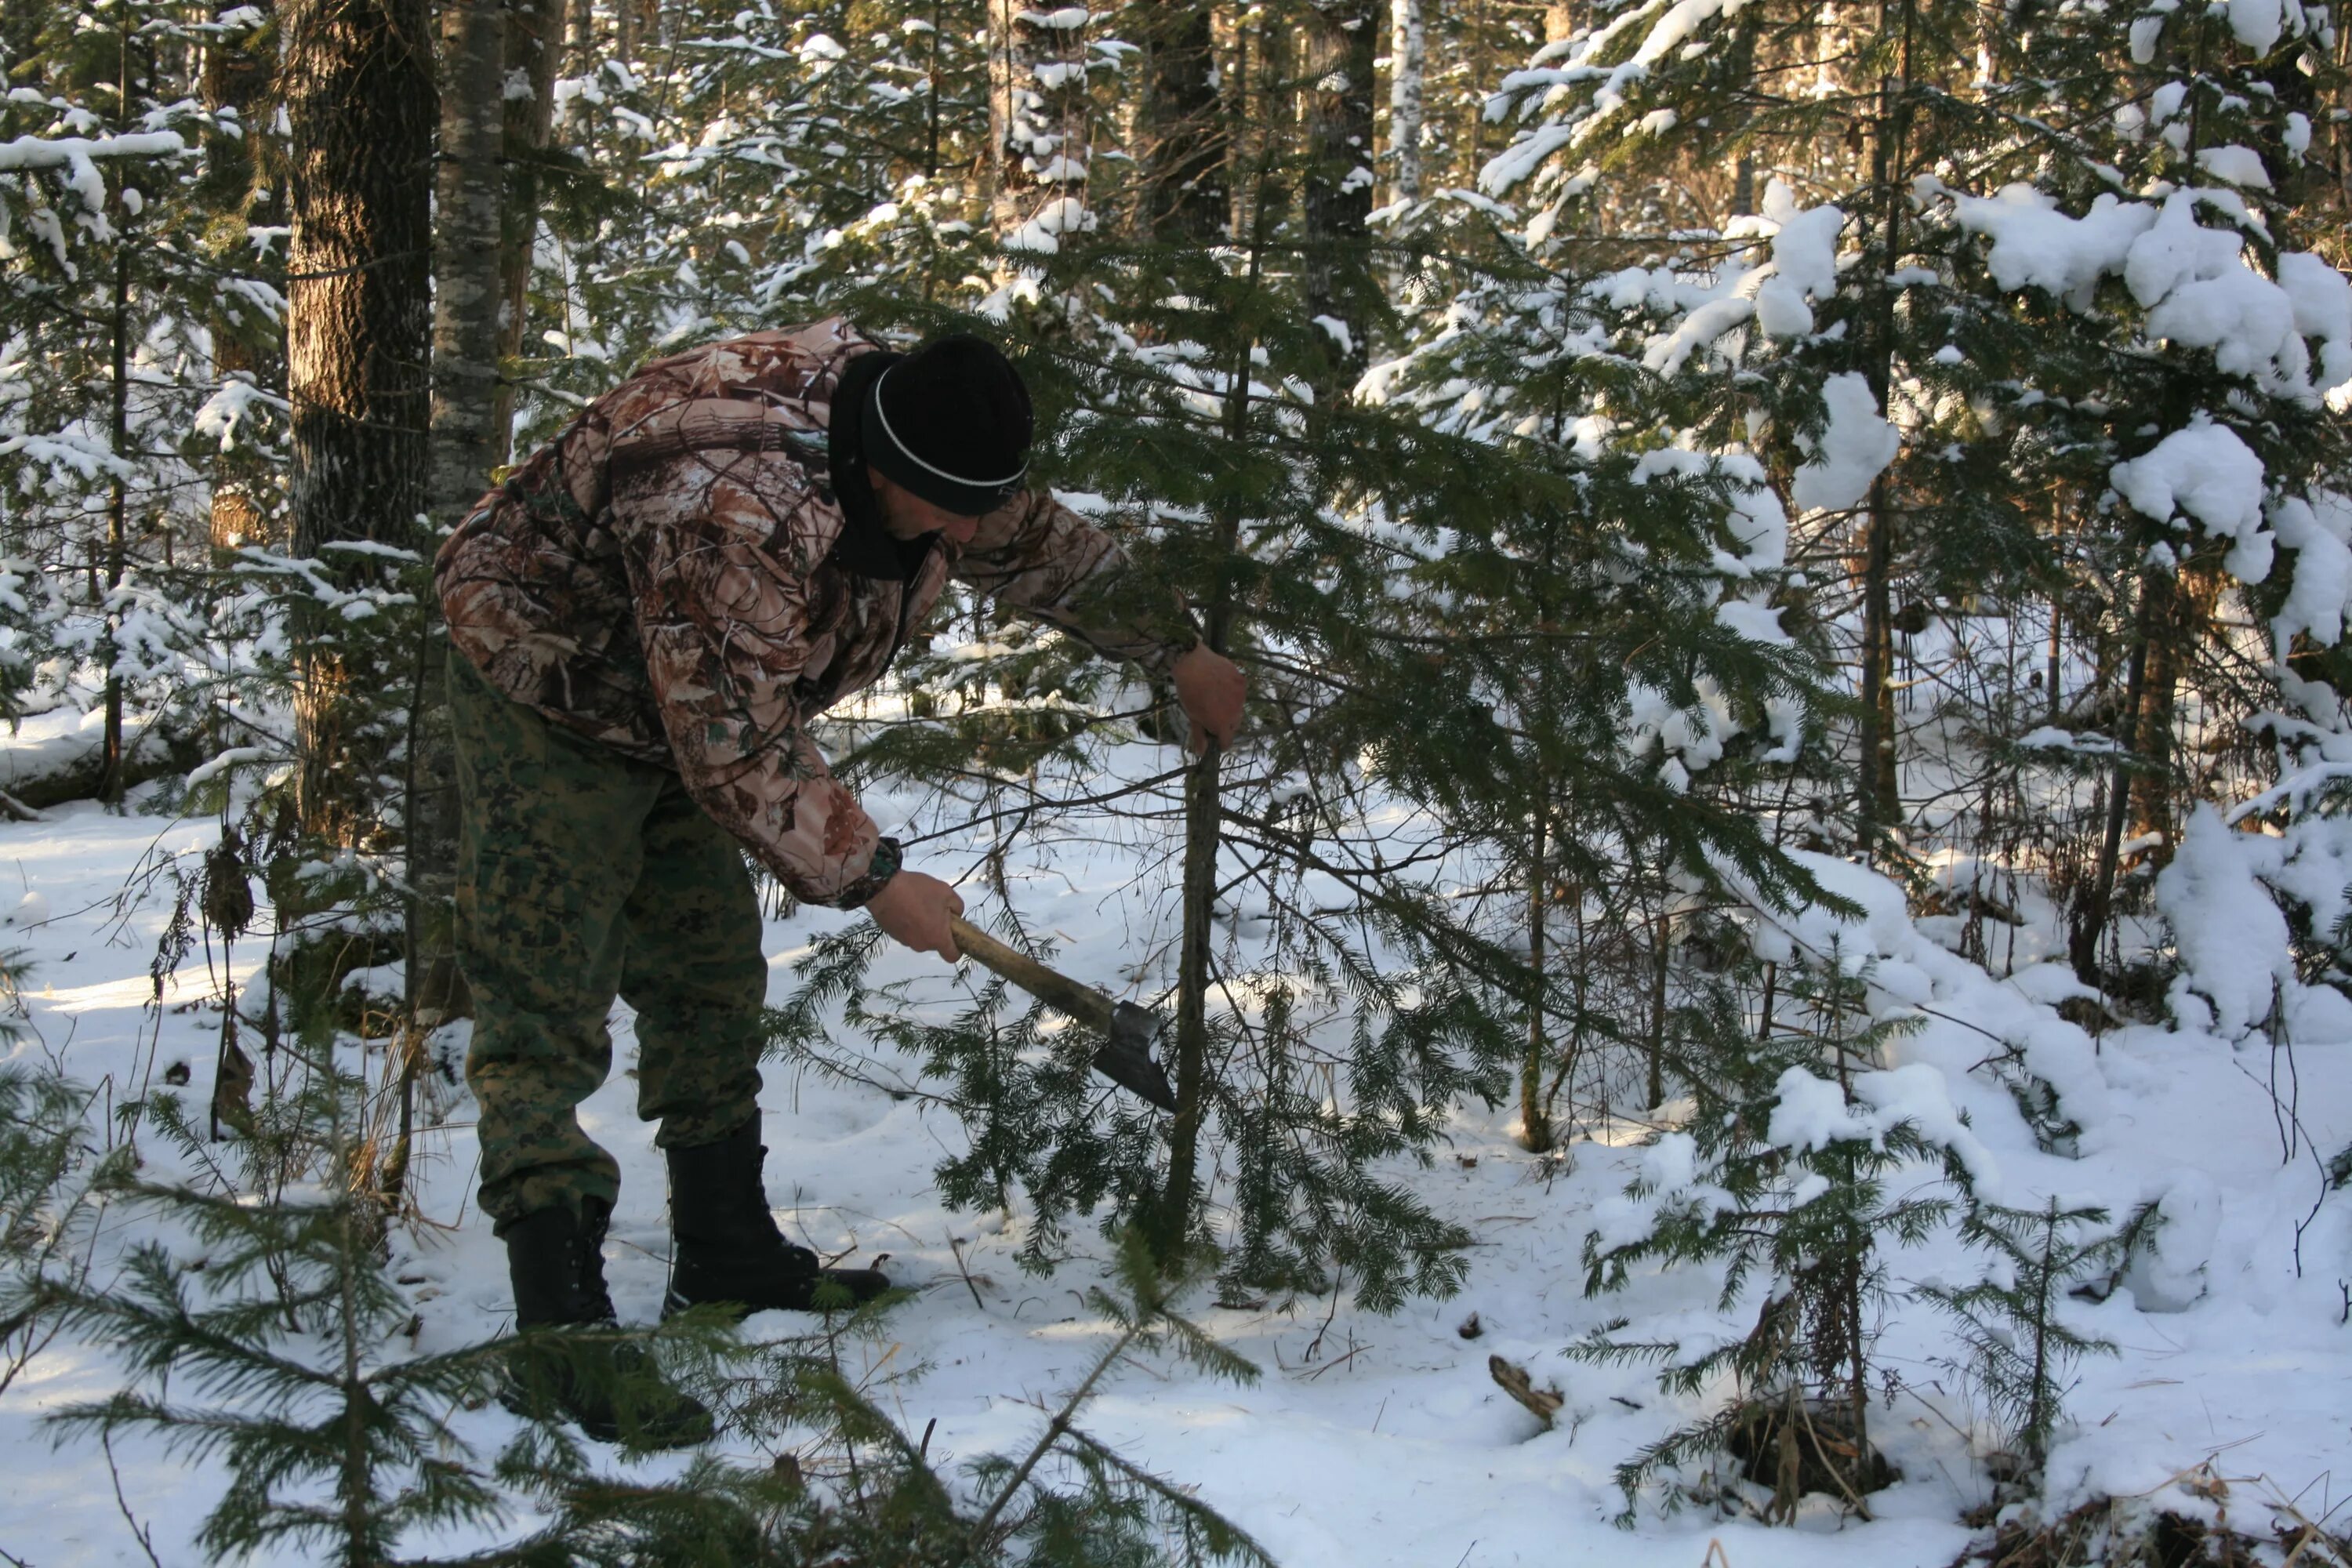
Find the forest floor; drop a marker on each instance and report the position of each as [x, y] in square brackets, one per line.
[1368, 1440]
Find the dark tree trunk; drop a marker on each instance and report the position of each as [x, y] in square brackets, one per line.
[235, 76]
[1038, 110]
[1881, 802]
[533, 30]
[2179, 612]
[357, 77]
[1340, 37]
[2088, 925]
[470, 188]
[1180, 126]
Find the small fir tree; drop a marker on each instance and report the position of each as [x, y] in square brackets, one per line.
[2020, 1347]
[1784, 1178]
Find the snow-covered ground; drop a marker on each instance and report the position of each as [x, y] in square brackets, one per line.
[1368, 1441]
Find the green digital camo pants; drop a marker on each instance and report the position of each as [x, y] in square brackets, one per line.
[583, 873]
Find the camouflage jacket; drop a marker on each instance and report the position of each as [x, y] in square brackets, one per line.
[676, 577]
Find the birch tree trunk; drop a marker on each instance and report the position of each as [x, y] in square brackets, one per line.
[1408, 52]
[357, 81]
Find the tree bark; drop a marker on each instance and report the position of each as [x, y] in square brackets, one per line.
[468, 442]
[1408, 48]
[1535, 1109]
[533, 30]
[580, 36]
[470, 181]
[2180, 606]
[236, 79]
[357, 82]
[2089, 920]
[1037, 122]
[1180, 137]
[1881, 802]
[1339, 37]
[118, 509]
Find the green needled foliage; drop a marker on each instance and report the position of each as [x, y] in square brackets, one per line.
[263, 1328]
[854, 1489]
[1785, 1179]
[267, 1334]
[2012, 1322]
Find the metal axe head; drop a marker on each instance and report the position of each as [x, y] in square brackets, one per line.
[1125, 1057]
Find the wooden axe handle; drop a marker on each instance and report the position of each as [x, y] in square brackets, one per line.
[1051, 986]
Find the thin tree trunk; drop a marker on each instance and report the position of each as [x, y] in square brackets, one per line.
[1407, 50]
[1535, 1112]
[1661, 955]
[118, 520]
[1881, 805]
[236, 78]
[467, 442]
[470, 181]
[1204, 836]
[530, 51]
[1037, 119]
[2182, 609]
[580, 36]
[358, 87]
[2090, 922]
[1340, 287]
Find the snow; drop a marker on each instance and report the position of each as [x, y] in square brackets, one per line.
[2238, 165]
[78, 154]
[2209, 473]
[2258, 24]
[2319, 531]
[1849, 456]
[1338, 332]
[1804, 262]
[2322, 301]
[2231, 938]
[2036, 245]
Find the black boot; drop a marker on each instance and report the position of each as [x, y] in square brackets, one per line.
[556, 1260]
[726, 1247]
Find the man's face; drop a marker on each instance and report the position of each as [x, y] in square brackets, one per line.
[906, 515]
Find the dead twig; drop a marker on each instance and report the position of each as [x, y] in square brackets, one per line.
[1542, 1403]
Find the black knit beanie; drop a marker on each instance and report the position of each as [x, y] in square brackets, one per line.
[951, 422]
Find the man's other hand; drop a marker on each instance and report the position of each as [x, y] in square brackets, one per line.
[1211, 687]
[913, 908]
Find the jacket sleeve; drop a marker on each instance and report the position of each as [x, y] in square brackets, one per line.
[715, 543]
[1038, 555]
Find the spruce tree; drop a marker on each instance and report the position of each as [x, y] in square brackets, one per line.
[271, 1335]
[2012, 1323]
[1788, 1175]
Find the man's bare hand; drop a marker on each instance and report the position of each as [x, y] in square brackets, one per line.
[913, 908]
[1209, 686]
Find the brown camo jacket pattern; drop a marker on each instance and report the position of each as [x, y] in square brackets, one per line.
[661, 579]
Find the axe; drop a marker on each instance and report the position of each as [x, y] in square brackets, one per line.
[1126, 1029]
